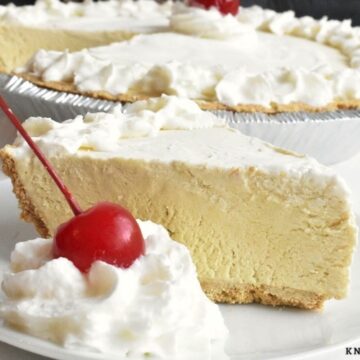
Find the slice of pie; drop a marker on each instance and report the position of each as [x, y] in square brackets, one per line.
[55, 25]
[259, 60]
[262, 224]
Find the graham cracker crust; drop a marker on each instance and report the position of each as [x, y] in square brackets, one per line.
[204, 105]
[221, 292]
[28, 212]
[218, 291]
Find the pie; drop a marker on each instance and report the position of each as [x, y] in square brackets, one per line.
[262, 224]
[258, 60]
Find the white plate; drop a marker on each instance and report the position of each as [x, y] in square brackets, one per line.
[256, 332]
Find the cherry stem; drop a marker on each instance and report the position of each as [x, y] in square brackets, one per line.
[40, 155]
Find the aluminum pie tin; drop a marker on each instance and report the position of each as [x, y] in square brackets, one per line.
[330, 137]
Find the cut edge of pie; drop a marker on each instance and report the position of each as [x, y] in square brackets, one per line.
[28, 211]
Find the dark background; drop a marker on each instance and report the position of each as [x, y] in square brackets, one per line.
[335, 9]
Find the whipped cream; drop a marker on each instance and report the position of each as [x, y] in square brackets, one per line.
[102, 132]
[155, 308]
[283, 87]
[221, 58]
[137, 16]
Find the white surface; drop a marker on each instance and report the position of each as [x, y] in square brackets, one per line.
[257, 332]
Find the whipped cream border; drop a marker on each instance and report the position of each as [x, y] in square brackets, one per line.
[317, 88]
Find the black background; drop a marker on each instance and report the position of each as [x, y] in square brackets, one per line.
[335, 9]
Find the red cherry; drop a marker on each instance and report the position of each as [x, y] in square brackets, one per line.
[106, 232]
[224, 6]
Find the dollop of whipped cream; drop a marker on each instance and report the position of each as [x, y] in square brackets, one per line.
[284, 86]
[210, 24]
[51, 11]
[103, 131]
[154, 308]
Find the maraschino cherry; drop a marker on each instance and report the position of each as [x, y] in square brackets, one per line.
[224, 6]
[106, 232]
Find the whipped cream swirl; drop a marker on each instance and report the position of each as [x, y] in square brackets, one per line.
[154, 308]
[102, 131]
